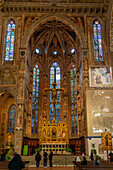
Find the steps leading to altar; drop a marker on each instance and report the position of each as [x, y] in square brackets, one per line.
[57, 160]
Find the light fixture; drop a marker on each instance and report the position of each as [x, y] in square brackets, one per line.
[72, 50]
[37, 51]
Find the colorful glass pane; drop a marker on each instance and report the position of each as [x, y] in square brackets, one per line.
[35, 100]
[98, 51]
[55, 77]
[73, 100]
[10, 38]
[12, 113]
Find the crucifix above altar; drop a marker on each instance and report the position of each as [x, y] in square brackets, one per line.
[54, 92]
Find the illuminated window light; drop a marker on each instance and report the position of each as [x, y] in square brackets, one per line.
[37, 51]
[55, 52]
[72, 50]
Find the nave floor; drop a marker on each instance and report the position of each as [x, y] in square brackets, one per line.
[53, 168]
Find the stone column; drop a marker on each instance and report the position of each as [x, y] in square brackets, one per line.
[18, 135]
[85, 61]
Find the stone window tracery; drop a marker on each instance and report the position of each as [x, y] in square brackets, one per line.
[11, 124]
[97, 36]
[74, 119]
[10, 40]
[55, 76]
[35, 100]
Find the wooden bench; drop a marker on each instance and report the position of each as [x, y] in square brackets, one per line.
[104, 165]
[4, 165]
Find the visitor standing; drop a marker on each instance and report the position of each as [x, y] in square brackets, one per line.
[38, 159]
[92, 155]
[3, 156]
[45, 159]
[50, 158]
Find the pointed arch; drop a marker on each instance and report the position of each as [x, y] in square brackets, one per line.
[10, 40]
[97, 37]
[35, 100]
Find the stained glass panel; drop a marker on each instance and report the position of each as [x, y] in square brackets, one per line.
[12, 113]
[35, 100]
[74, 124]
[55, 76]
[10, 38]
[98, 51]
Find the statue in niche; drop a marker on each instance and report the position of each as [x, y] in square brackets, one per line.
[20, 91]
[85, 64]
[22, 64]
[19, 116]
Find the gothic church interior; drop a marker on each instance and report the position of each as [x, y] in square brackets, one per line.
[56, 87]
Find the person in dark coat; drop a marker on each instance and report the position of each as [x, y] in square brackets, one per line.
[3, 156]
[45, 159]
[84, 162]
[38, 159]
[16, 163]
[92, 156]
[50, 158]
[110, 156]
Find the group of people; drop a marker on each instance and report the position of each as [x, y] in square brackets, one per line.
[38, 159]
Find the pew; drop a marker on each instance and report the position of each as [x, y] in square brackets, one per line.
[4, 165]
[104, 165]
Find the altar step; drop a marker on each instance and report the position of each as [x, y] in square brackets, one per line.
[57, 160]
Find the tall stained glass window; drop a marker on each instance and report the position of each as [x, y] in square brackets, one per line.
[10, 38]
[55, 77]
[97, 34]
[12, 113]
[73, 81]
[35, 100]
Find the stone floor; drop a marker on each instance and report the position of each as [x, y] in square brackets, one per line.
[53, 168]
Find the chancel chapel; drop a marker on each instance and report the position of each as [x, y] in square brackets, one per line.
[56, 87]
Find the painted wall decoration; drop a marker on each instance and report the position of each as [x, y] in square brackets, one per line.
[106, 138]
[100, 76]
[8, 76]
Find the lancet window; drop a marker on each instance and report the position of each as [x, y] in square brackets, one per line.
[55, 77]
[10, 39]
[12, 114]
[35, 100]
[74, 119]
[97, 35]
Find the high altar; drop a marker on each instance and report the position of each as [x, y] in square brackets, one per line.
[54, 135]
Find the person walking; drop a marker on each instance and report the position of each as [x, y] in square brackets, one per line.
[38, 159]
[45, 159]
[50, 158]
[16, 163]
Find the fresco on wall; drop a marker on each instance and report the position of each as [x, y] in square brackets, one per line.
[8, 76]
[100, 76]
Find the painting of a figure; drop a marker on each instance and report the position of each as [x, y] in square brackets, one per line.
[100, 76]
